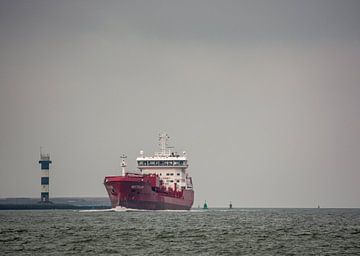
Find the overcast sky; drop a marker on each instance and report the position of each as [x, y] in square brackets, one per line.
[263, 95]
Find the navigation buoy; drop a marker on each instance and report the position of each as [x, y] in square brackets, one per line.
[230, 205]
[205, 206]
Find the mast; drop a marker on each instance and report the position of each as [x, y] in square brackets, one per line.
[123, 164]
[163, 138]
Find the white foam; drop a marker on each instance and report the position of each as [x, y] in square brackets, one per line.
[97, 210]
[124, 209]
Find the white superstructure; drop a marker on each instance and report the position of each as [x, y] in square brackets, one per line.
[169, 166]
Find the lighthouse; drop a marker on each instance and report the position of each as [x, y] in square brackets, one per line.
[45, 166]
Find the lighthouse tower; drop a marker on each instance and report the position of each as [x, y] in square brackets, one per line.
[45, 166]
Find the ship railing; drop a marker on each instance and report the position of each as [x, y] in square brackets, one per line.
[160, 154]
[45, 156]
[133, 174]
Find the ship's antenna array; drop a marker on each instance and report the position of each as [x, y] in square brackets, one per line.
[163, 138]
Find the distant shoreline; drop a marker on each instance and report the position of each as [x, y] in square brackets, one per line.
[88, 203]
[51, 207]
[74, 203]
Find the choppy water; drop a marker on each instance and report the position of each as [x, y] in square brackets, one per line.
[212, 232]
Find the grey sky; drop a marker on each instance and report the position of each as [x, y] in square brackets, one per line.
[263, 95]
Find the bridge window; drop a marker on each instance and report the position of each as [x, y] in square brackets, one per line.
[142, 163]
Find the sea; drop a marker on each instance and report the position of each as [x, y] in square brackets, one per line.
[194, 232]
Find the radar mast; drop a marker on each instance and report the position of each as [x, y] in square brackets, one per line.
[163, 139]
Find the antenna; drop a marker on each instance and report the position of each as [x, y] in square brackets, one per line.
[163, 138]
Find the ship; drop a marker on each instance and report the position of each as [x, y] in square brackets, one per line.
[161, 182]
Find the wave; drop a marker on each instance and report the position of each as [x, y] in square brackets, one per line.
[98, 210]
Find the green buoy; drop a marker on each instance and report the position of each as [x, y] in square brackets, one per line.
[205, 205]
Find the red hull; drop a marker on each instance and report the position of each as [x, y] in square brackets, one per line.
[144, 192]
